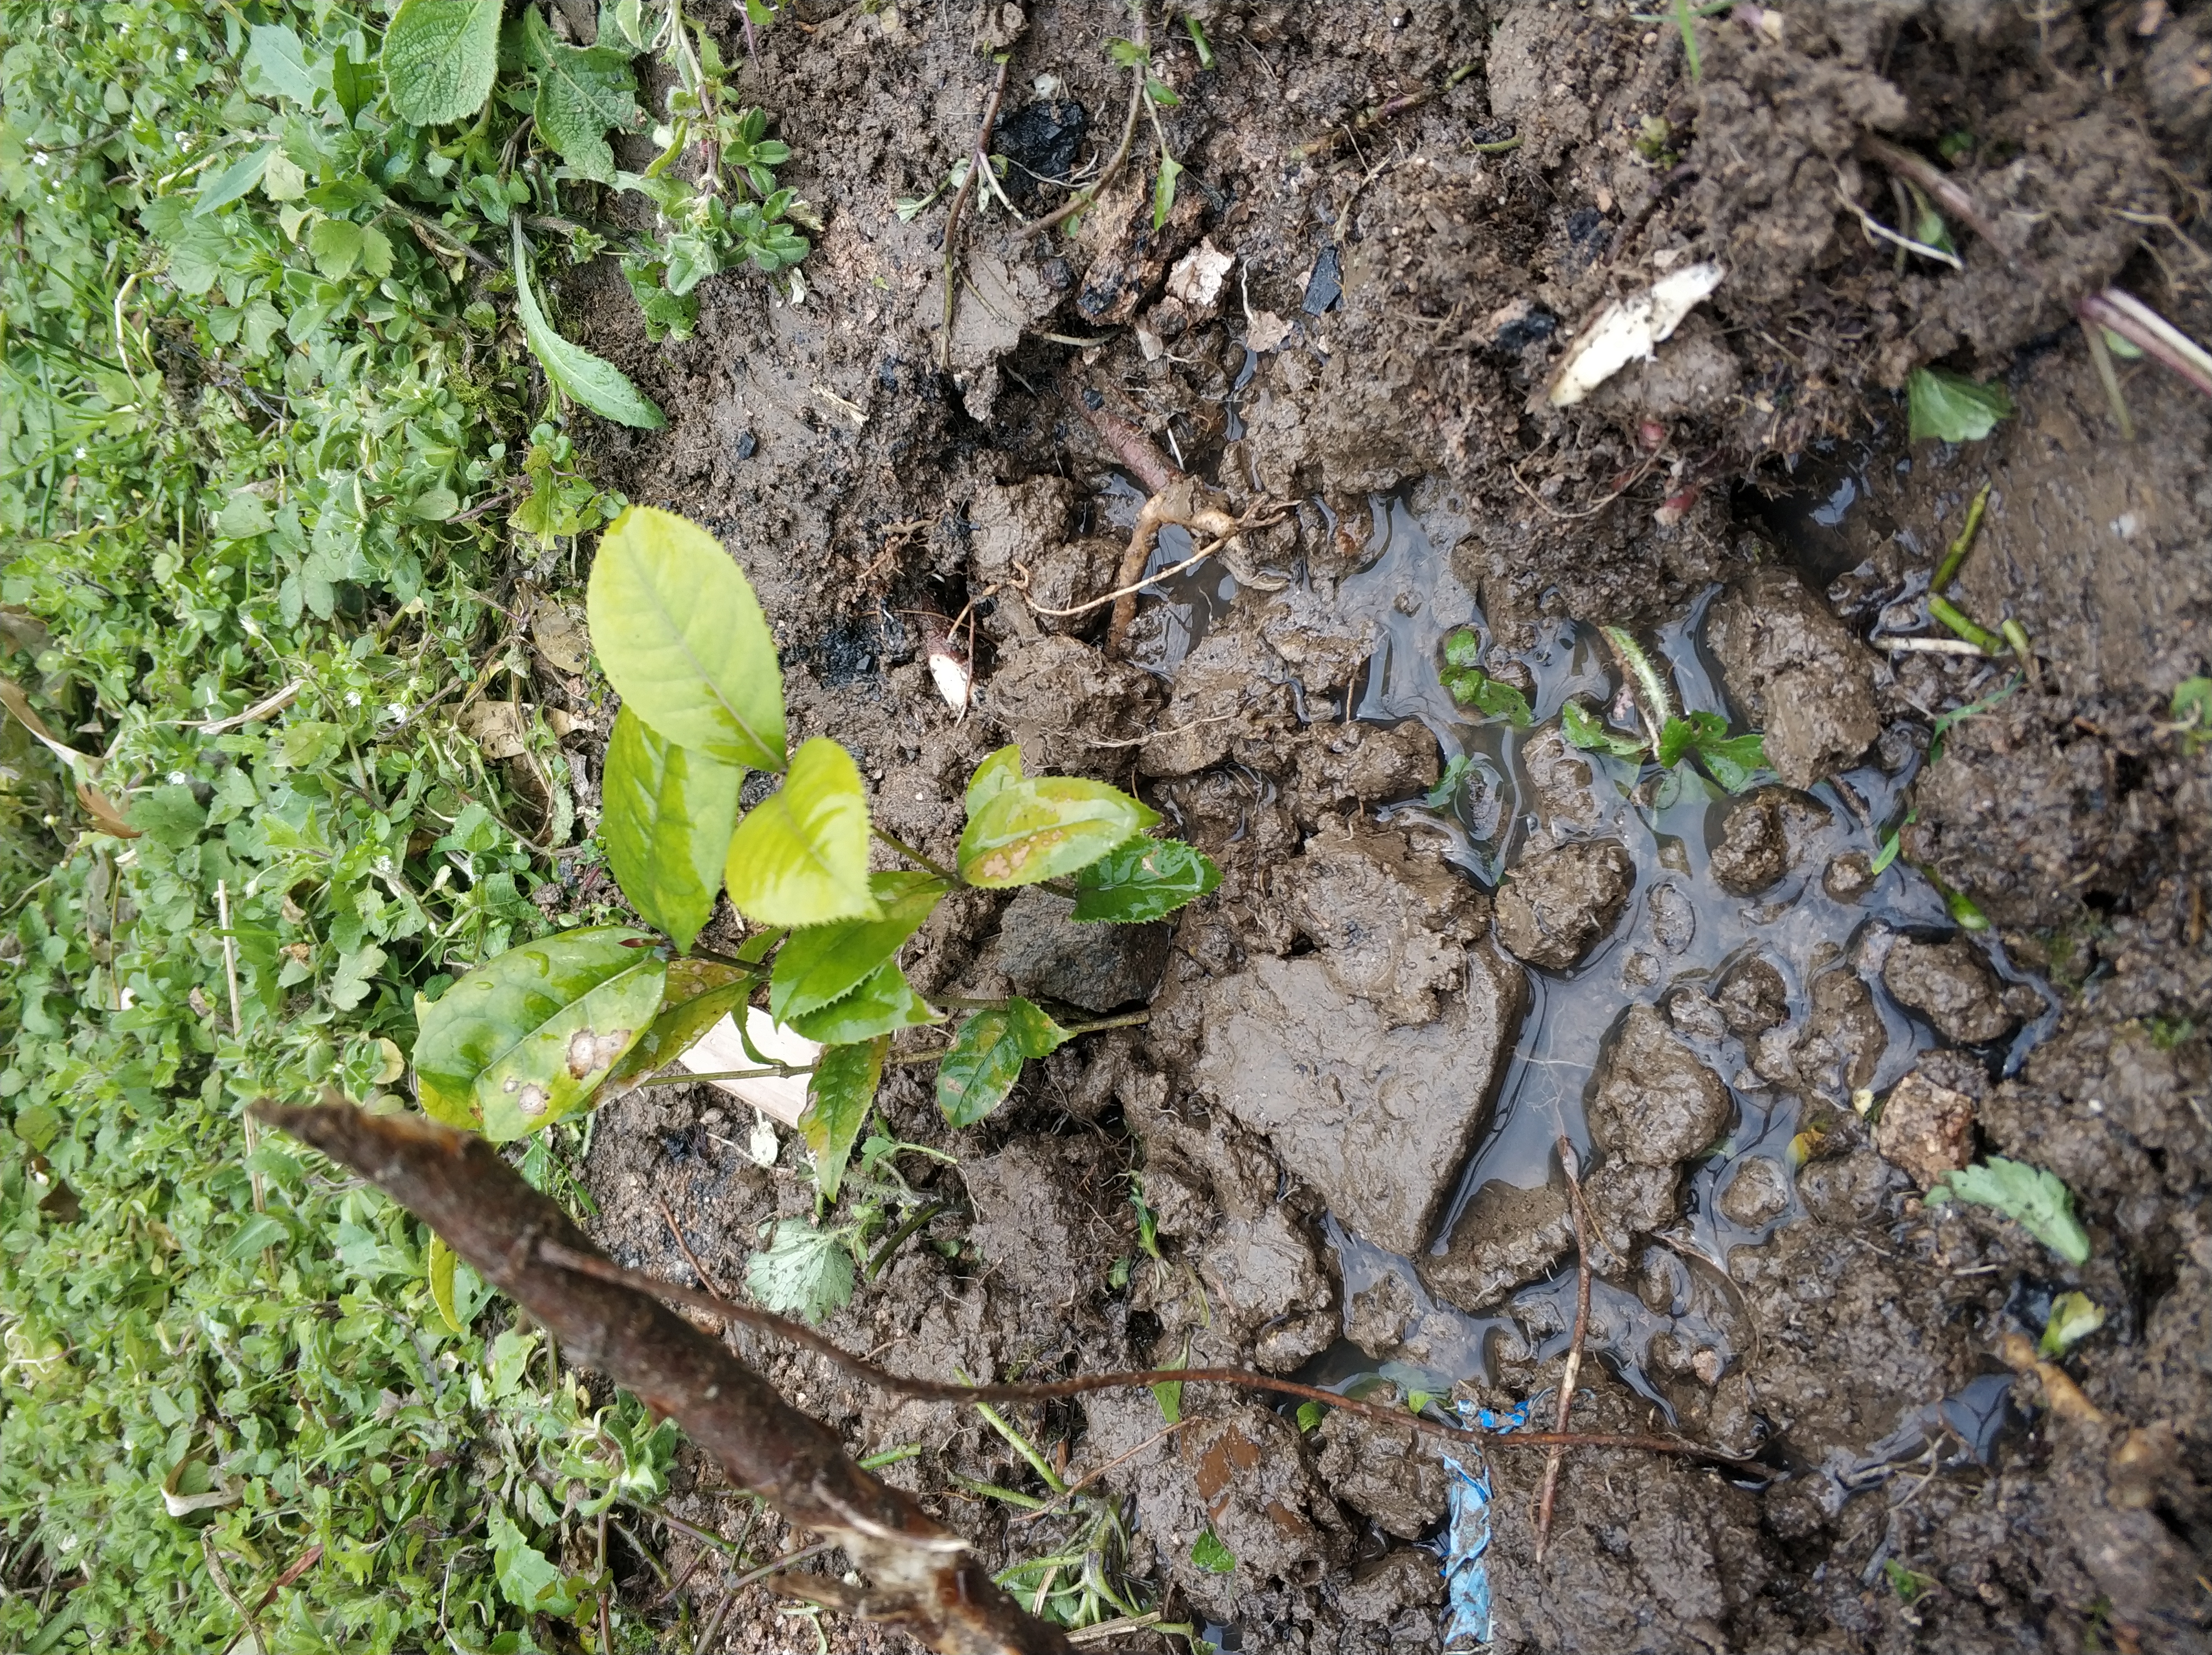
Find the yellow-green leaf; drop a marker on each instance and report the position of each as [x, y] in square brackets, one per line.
[1000, 770]
[838, 1100]
[1040, 828]
[440, 1272]
[801, 856]
[669, 811]
[683, 639]
[824, 962]
[696, 995]
[526, 1037]
[883, 1004]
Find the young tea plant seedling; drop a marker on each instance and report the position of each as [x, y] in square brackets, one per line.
[533, 1037]
[1671, 736]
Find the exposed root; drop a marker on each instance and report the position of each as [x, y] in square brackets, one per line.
[1573, 1374]
[979, 157]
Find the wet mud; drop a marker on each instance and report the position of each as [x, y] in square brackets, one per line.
[1765, 1032]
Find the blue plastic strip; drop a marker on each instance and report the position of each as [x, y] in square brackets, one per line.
[1467, 1539]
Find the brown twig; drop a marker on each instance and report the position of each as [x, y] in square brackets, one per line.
[1574, 1369]
[924, 1576]
[1946, 192]
[940, 1390]
[1091, 191]
[706, 1280]
[978, 156]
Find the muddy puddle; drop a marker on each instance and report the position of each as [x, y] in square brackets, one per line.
[1751, 926]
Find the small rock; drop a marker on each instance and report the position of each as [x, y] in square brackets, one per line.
[1799, 674]
[1926, 1129]
[1392, 928]
[1379, 1119]
[1289, 1345]
[1849, 877]
[1562, 790]
[1756, 1194]
[1059, 696]
[1951, 986]
[1381, 1317]
[1626, 1200]
[1263, 1270]
[1382, 1590]
[1674, 919]
[1657, 1104]
[1754, 998]
[1696, 1014]
[1391, 1473]
[1845, 1038]
[1754, 850]
[1504, 1235]
[1348, 763]
[1044, 952]
[1558, 904]
[1226, 693]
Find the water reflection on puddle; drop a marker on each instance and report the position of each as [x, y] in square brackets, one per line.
[1682, 933]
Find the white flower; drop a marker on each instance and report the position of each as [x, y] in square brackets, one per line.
[384, 867]
[81, 451]
[177, 778]
[38, 158]
[353, 698]
[397, 712]
[182, 55]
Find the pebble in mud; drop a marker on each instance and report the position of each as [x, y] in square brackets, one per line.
[1390, 1473]
[1657, 1104]
[1559, 904]
[1925, 1128]
[1753, 851]
[1849, 877]
[1951, 986]
[1754, 998]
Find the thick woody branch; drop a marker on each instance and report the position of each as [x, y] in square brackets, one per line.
[923, 1576]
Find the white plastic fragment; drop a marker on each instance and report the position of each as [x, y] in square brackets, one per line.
[782, 1097]
[1630, 330]
[1198, 278]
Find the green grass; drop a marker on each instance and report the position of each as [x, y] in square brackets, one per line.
[246, 441]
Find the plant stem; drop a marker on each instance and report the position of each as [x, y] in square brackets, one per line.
[915, 856]
[1956, 556]
[883, 1254]
[686, 1077]
[2100, 358]
[1038, 1464]
[1972, 631]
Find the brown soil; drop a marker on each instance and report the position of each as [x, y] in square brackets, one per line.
[1430, 284]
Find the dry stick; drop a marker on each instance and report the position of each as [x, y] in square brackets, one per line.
[1574, 1369]
[221, 1577]
[938, 1390]
[298, 1566]
[924, 1576]
[1947, 192]
[1091, 191]
[2150, 332]
[980, 156]
[685, 1247]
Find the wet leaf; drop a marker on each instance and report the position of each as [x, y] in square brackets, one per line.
[1208, 1553]
[439, 1269]
[1951, 407]
[837, 1102]
[805, 1272]
[696, 995]
[440, 58]
[800, 857]
[1890, 846]
[1168, 1393]
[2074, 1317]
[591, 380]
[1677, 737]
[1164, 187]
[883, 1003]
[975, 1076]
[824, 962]
[1000, 770]
[683, 639]
[1587, 731]
[2036, 1200]
[1470, 686]
[669, 813]
[1455, 775]
[1735, 761]
[525, 1039]
[1039, 829]
[1143, 879]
